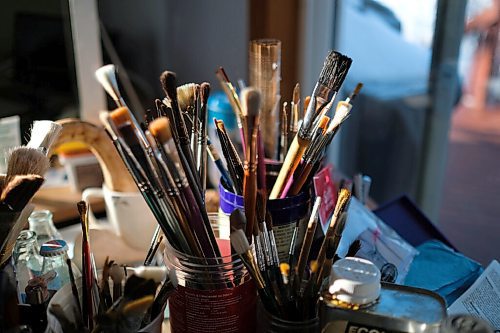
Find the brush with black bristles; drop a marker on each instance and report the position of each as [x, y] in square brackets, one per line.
[106, 75]
[331, 78]
[169, 85]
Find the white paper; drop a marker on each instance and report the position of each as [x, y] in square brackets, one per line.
[482, 299]
[10, 137]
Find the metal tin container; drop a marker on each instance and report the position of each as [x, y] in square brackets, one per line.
[356, 302]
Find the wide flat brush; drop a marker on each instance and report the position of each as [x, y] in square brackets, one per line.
[25, 161]
[19, 191]
[250, 98]
[331, 78]
[43, 134]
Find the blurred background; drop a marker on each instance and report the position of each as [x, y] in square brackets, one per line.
[427, 123]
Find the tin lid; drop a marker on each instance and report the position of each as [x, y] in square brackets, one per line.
[355, 281]
[53, 248]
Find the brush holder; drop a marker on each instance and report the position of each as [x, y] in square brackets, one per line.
[267, 322]
[64, 297]
[285, 213]
[214, 295]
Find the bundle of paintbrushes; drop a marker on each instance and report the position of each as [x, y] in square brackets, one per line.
[124, 305]
[290, 290]
[167, 159]
[26, 167]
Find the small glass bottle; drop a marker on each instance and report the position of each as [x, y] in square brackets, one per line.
[54, 259]
[27, 261]
[41, 222]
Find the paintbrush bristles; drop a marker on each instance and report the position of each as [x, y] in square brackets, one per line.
[168, 82]
[239, 241]
[334, 70]
[120, 116]
[26, 161]
[250, 101]
[43, 134]
[160, 128]
[343, 200]
[186, 96]
[205, 92]
[106, 76]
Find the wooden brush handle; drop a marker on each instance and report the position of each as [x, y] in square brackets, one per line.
[116, 176]
[291, 162]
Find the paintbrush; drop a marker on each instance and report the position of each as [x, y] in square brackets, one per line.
[25, 161]
[106, 75]
[19, 191]
[169, 83]
[167, 289]
[43, 134]
[306, 245]
[87, 274]
[140, 178]
[201, 158]
[233, 161]
[117, 274]
[240, 244]
[161, 129]
[215, 157]
[250, 98]
[343, 199]
[284, 132]
[331, 78]
[296, 112]
[232, 96]
[74, 289]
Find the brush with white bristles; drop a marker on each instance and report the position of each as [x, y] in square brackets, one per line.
[250, 102]
[106, 75]
[43, 134]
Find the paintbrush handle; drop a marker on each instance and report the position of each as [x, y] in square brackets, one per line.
[291, 162]
[303, 256]
[300, 181]
[250, 192]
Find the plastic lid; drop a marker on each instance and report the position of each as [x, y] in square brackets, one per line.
[53, 248]
[355, 281]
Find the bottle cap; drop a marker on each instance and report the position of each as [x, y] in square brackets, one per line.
[53, 248]
[355, 281]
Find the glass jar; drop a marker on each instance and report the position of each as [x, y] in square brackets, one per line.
[213, 295]
[27, 261]
[41, 222]
[54, 259]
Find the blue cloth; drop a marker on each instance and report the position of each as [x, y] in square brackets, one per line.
[440, 269]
